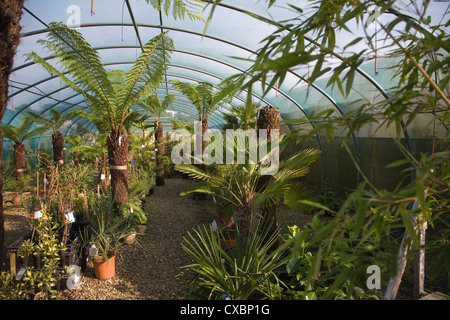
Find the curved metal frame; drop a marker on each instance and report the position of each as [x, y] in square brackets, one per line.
[248, 12]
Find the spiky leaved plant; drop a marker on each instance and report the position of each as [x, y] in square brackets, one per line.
[110, 95]
[237, 185]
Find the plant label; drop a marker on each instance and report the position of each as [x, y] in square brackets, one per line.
[20, 274]
[37, 214]
[93, 251]
[69, 217]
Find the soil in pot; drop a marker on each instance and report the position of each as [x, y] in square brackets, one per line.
[104, 269]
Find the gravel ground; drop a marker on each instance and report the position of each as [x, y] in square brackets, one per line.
[150, 269]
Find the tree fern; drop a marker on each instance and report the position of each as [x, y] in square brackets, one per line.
[180, 8]
[22, 132]
[203, 96]
[89, 77]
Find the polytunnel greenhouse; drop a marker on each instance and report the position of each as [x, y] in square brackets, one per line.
[264, 150]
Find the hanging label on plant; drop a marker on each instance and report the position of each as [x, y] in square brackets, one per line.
[102, 176]
[93, 250]
[214, 225]
[37, 214]
[131, 209]
[120, 141]
[69, 217]
[20, 274]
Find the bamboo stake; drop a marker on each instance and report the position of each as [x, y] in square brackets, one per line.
[37, 184]
[45, 187]
[419, 264]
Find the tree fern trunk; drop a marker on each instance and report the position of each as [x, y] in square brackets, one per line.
[19, 159]
[268, 119]
[58, 148]
[159, 141]
[10, 14]
[205, 127]
[118, 158]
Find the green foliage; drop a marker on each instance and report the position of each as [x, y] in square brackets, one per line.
[369, 217]
[153, 104]
[241, 117]
[53, 123]
[333, 272]
[180, 8]
[110, 94]
[47, 244]
[107, 227]
[19, 185]
[22, 132]
[204, 97]
[246, 270]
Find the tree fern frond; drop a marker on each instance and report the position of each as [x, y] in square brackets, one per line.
[76, 56]
[147, 72]
[53, 71]
[180, 8]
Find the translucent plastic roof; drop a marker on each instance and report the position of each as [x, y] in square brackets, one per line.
[234, 31]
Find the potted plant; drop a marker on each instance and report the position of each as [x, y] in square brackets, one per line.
[227, 236]
[107, 229]
[18, 186]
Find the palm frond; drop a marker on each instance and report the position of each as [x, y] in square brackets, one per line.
[192, 171]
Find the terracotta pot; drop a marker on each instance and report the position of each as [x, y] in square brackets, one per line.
[227, 243]
[103, 269]
[16, 200]
[130, 238]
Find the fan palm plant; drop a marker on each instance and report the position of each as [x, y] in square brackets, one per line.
[205, 99]
[110, 95]
[54, 123]
[19, 134]
[238, 185]
[153, 104]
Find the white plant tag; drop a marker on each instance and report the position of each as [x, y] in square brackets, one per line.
[214, 225]
[120, 141]
[20, 274]
[37, 214]
[102, 176]
[70, 217]
[93, 250]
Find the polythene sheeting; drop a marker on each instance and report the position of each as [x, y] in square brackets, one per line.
[211, 57]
